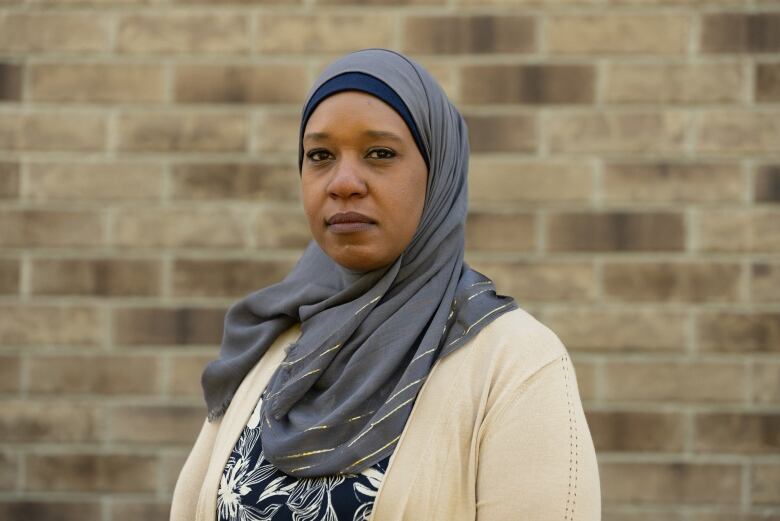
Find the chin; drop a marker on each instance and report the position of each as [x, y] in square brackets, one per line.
[355, 260]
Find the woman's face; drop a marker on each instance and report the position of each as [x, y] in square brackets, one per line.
[363, 180]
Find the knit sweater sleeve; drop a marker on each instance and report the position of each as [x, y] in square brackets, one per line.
[536, 455]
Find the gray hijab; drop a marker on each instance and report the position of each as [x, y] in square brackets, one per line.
[339, 401]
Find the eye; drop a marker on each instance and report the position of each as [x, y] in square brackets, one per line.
[317, 154]
[380, 153]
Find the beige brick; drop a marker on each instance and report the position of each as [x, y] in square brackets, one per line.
[133, 511]
[183, 132]
[29, 421]
[212, 33]
[675, 382]
[620, 514]
[734, 515]
[674, 83]
[102, 277]
[620, 431]
[240, 181]
[91, 472]
[528, 84]
[618, 33]
[738, 230]
[586, 377]
[381, 2]
[740, 433]
[678, 483]
[94, 181]
[168, 326]
[9, 276]
[626, 330]
[478, 34]
[107, 375]
[26, 324]
[673, 182]
[110, 83]
[241, 83]
[225, 278]
[500, 232]
[10, 82]
[55, 228]
[766, 382]
[502, 181]
[281, 228]
[615, 231]
[314, 33]
[10, 373]
[764, 487]
[277, 132]
[9, 180]
[172, 466]
[767, 84]
[738, 132]
[766, 184]
[156, 424]
[636, 132]
[765, 282]
[502, 133]
[9, 469]
[18, 509]
[22, 32]
[672, 281]
[185, 372]
[179, 228]
[739, 332]
[543, 281]
[76, 131]
[740, 32]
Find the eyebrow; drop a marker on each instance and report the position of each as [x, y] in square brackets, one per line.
[378, 134]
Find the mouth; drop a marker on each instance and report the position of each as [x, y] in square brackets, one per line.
[349, 222]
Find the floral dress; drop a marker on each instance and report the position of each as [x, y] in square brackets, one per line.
[253, 489]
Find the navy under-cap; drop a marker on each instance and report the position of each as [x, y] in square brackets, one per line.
[365, 83]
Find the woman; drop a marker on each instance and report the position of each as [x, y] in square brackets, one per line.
[384, 379]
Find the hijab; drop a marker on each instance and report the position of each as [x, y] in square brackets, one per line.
[339, 401]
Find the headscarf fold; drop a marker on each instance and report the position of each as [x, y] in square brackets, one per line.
[339, 401]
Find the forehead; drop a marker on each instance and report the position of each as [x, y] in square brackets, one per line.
[354, 107]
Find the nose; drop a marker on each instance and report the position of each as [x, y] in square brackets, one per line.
[347, 180]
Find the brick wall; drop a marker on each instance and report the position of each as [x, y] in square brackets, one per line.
[625, 188]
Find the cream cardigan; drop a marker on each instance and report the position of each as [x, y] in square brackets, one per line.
[497, 433]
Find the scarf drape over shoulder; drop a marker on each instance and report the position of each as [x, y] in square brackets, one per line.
[340, 400]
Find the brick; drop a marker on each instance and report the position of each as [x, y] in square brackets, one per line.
[10, 374]
[740, 32]
[615, 231]
[26, 421]
[127, 511]
[277, 132]
[502, 133]
[623, 330]
[10, 82]
[739, 332]
[64, 181]
[500, 232]
[168, 326]
[740, 433]
[614, 33]
[91, 472]
[240, 84]
[620, 431]
[766, 184]
[674, 382]
[738, 132]
[586, 376]
[9, 276]
[72, 131]
[22, 32]
[767, 83]
[179, 228]
[667, 182]
[527, 84]
[25, 324]
[183, 132]
[212, 33]
[110, 83]
[764, 489]
[50, 228]
[635, 132]
[225, 278]
[9, 180]
[156, 424]
[172, 465]
[444, 71]
[542, 281]
[185, 372]
[281, 228]
[502, 181]
[738, 231]
[314, 33]
[766, 382]
[9, 469]
[239, 181]
[18, 509]
[765, 282]
[107, 375]
[690, 483]
[674, 83]
[100, 277]
[624, 515]
[380, 2]
[734, 515]
[672, 281]
[477, 34]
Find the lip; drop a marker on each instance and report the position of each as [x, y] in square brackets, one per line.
[349, 222]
